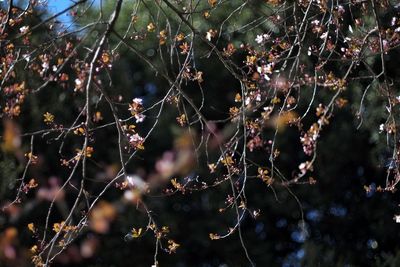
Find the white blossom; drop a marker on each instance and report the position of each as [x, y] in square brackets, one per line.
[259, 39]
[208, 36]
[324, 35]
[27, 57]
[315, 22]
[394, 20]
[138, 101]
[258, 97]
[139, 117]
[24, 29]
[45, 65]
[247, 101]
[135, 138]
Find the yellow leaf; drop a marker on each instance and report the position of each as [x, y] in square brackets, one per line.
[228, 161]
[238, 98]
[31, 227]
[275, 100]
[214, 236]
[34, 249]
[136, 233]
[57, 226]
[176, 184]
[48, 117]
[180, 37]
[172, 246]
[212, 3]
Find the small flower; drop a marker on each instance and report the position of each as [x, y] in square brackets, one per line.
[24, 29]
[26, 57]
[45, 66]
[211, 34]
[138, 101]
[259, 39]
[139, 117]
[393, 22]
[258, 95]
[181, 120]
[381, 128]
[303, 167]
[78, 84]
[185, 47]
[135, 108]
[151, 27]
[341, 9]
[238, 98]
[135, 138]
[212, 167]
[208, 36]
[315, 22]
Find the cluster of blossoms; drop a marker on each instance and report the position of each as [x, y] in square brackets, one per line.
[136, 108]
[262, 38]
[309, 139]
[135, 140]
[266, 69]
